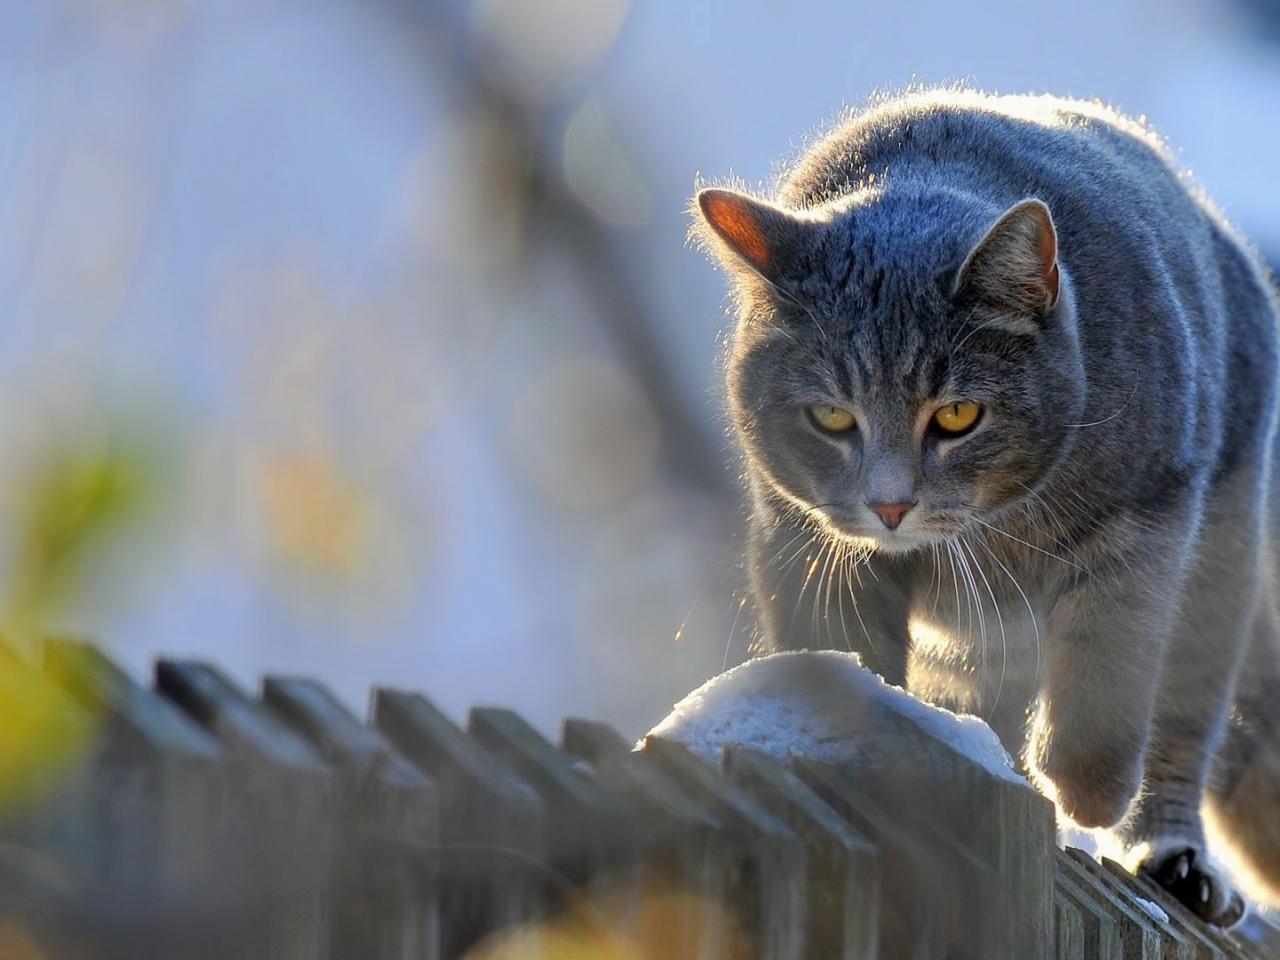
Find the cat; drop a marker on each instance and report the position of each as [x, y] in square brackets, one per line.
[1004, 384]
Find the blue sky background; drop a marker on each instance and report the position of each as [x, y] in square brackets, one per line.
[399, 443]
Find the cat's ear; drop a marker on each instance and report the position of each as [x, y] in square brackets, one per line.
[745, 232]
[1014, 267]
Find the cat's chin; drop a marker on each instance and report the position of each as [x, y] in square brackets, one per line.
[896, 543]
[905, 543]
[900, 541]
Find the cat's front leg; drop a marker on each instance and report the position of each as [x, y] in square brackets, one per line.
[1106, 638]
[813, 593]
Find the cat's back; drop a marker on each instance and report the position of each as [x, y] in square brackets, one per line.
[984, 143]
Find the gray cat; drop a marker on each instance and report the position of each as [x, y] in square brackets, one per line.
[1005, 386]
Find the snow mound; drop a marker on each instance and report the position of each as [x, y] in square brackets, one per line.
[826, 706]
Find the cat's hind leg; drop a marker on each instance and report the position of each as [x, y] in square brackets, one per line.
[1164, 831]
[1243, 807]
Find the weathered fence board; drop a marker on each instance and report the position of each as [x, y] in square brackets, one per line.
[842, 878]
[283, 791]
[685, 855]
[1102, 940]
[1173, 944]
[158, 785]
[1205, 945]
[588, 826]
[923, 904]
[764, 857]
[196, 821]
[492, 824]
[1139, 937]
[1069, 942]
[386, 905]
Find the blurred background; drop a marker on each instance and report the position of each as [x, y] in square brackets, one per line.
[359, 338]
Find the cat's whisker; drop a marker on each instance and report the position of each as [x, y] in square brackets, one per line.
[811, 567]
[799, 536]
[791, 561]
[825, 589]
[861, 555]
[728, 644]
[935, 578]
[1053, 514]
[986, 324]
[1004, 533]
[818, 565]
[1004, 643]
[871, 569]
[871, 644]
[971, 593]
[955, 581]
[842, 571]
[787, 295]
[806, 550]
[828, 570]
[1119, 410]
[845, 553]
[968, 594]
[1035, 627]
[1050, 512]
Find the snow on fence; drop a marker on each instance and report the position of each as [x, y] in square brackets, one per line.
[197, 820]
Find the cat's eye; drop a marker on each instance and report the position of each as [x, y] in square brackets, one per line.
[957, 418]
[831, 419]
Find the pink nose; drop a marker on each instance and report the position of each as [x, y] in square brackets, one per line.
[891, 514]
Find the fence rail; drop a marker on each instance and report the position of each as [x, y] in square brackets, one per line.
[192, 819]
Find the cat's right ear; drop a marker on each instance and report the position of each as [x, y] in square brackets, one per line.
[747, 233]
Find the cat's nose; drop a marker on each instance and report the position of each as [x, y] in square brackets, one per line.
[891, 514]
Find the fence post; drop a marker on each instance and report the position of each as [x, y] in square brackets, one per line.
[492, 826]
[284, 793]
[684, 865]
[54, 837]
[386, 905]
[1179, 917]
[843, 879]
[1068, 931]
[159, 784]
[764, 857]
[588, 827]
[1101, 934]
[1138, 935]
[1000, 820]
[921, 898]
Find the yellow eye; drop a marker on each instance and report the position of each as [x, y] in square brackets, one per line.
[957, 417]
[832, 419]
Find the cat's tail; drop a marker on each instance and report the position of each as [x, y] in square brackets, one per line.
[1243, 801]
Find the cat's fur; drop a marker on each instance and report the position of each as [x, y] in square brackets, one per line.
[1091, 565]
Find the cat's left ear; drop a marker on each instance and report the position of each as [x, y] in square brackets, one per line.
[1014, 267]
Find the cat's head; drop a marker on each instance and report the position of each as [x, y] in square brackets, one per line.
[905, 366]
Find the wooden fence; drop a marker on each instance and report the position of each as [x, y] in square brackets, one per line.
[190, 819]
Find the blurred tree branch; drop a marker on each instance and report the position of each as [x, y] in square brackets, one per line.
[529, 168]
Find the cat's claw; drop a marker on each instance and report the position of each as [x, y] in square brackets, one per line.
[1196, 883]
[1182, 866]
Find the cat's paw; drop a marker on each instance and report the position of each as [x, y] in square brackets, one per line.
[1094, 788]
[1093, 804]
[1197, 883]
